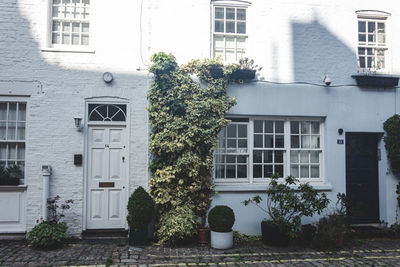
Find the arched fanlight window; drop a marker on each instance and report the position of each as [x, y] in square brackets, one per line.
[107, 112]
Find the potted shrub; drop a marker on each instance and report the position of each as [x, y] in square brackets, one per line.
[140, 213]
[246, 70]
[50, 233]
[221, 219]
[285, 208]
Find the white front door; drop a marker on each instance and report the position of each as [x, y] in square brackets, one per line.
[107, 176]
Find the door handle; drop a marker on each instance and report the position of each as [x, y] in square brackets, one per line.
[123, 159]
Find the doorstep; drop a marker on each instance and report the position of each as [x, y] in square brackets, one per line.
[105, 234]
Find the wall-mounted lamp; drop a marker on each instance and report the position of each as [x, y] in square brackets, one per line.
[340, 131]
[327, 80]
[78, 123]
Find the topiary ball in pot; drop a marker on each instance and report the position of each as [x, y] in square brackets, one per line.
[140, 213]
[221, 219]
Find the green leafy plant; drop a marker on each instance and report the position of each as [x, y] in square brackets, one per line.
[331, 229]
[244, 240]
[392, 142]
[10, 175]
[221, 218]
[177, 226]
[248, 64]
[52, 232]
[185, 121]
[140, 209]
[287, 205]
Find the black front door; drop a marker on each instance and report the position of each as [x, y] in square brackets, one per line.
[362, 177]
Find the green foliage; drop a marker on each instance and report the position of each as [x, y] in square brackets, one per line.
[392, 142]
[177, 226]
[244, 240]
[47, 235]
[221, 218]
[248, 64]
[140, 209]
[287, 205]
[10, 175]
[185, 121]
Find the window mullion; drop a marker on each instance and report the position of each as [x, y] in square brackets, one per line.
[250, 145]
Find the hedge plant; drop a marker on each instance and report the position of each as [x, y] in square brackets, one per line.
[140, 209]
[392, 142]
[221, 219]
[185, 122]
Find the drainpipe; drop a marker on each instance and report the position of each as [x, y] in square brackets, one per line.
[46, 173]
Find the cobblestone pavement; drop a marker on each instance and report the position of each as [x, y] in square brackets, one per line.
[374, 252]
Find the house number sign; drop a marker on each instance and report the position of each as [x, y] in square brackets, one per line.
[340, 141]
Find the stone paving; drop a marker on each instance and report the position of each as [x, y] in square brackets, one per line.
[373, 252]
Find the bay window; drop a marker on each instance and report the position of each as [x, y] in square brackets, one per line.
[251, 150]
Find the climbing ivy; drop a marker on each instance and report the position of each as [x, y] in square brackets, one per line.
[185, 121]
[392, 142]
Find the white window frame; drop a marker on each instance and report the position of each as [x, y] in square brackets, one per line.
[376, 17]
[229, 4]
[49, 46]
[286, 151]
[21, 100]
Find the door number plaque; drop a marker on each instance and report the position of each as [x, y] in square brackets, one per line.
[106, 184]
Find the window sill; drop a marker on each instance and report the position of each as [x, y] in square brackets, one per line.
[13, 188]
[69, 50]
[262, 187]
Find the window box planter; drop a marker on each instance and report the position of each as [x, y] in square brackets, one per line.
[376, 80]
[9, 181]
[216, 72]
[243, 74]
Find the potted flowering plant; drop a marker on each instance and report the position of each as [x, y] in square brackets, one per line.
[246, 70]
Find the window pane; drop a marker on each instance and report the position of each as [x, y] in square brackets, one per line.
[268, 171]
[219, 13]
[278, 157]
[257, 171]
[279, 143]
[381, 38]
[241, 27]
[241, 14]
[294, 127]
[269, 141]
[305, 127]
[268, 156]
[314, 157]
[269, 126]
[371, 38]
[219, 26]
[21, 112]
[241, 159]
[21, 152]
[65, 39]
[278, 126]
[230, 27]
[279, 170]
[362, 62]
[230, 13]
[258, 140]
[314, 171]
[361, 26]
[257, 156]
[258, 126]
[85, 40]
[303, 156]
[21, 131]
[12, 112]
[304, 173]
[230, 171]
[232, 130]
[242, 130]
[294, 141]
[230, 43]
[12, 151]
[241, 171]
[3, 151]
[3, 111]
[305, 141]
[242, 143]
[3, 130]
[11, 133]
[75, 39]
[294, 156]
[371, 27]
[219, 159]
[85, 27]
[230, 56]
[231, 143]
[314, 141]
[362, 38]
[219, 171]
[315, 127]
[294, 170]
[230, 159]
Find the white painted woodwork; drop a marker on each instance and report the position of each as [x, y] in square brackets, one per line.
[12, 200]
[107, 162]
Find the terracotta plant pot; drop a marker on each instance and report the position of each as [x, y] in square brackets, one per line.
[204, 235]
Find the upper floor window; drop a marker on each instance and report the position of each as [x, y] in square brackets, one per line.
[372, 42]
[229, 32]
[70, 22]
